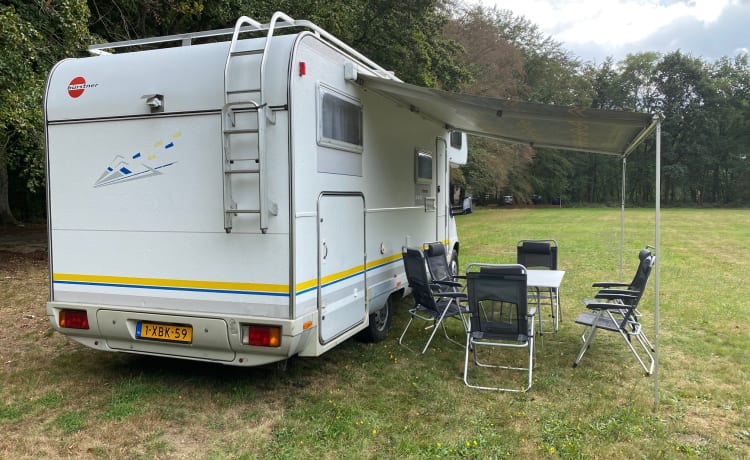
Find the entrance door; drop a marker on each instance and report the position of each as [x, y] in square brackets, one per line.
[341, 263]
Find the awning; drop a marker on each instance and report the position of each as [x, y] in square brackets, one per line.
[588, 130]
[540, 125]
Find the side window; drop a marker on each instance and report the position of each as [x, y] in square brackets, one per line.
[456, 139]
[422, 167]
[339, 121]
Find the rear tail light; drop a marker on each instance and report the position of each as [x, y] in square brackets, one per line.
[261, 336]
[73, 319]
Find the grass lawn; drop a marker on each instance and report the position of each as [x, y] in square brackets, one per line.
[59, 399]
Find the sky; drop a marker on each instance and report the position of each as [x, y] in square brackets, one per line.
[592, 30]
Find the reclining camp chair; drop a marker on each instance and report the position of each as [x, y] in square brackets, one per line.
[499, 317]
[541, 255]
[432, 302]
[438, 265]
[616, 310]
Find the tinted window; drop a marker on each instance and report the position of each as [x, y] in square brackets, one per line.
[340, 122]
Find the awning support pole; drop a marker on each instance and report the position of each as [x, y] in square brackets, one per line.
[622, 215]
[657, 250]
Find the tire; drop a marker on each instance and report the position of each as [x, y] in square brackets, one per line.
[453, 264]
[380, 324]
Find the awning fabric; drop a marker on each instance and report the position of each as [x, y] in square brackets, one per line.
[540, 125]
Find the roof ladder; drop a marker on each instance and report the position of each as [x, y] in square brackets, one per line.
[245, 116]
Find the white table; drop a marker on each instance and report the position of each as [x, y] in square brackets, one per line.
[543, 280]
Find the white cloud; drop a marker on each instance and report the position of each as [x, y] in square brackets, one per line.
[594, 29]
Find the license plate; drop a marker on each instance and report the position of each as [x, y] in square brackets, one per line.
[167, 332]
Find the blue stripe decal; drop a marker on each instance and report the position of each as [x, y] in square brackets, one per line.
[397, 261]
[313, 288]
[137, 155]
[310, 289]
[166, 288]
[223, 291]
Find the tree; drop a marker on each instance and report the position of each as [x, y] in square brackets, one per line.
[496, 66]
[405, 37]
[17, 54]
[679, 80]
[727, 110]
[34, 36]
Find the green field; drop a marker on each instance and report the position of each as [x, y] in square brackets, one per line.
[59, 399]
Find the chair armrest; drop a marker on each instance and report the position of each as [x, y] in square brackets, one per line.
[606, 284]
[608, 306]
[450, 295]
[447, 283]
[623, 294]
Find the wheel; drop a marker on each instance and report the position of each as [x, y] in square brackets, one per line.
[453, 265]
[380, 324]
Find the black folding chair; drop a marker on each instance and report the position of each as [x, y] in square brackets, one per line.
[499, 317]
[438, 265]
[434, 300]
[616, 310]
[541, 255]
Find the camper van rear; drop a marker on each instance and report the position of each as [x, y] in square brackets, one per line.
[238, 202]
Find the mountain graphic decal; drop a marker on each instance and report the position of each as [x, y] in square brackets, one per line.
[138, 165]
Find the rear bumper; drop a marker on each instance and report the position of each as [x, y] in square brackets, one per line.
[215, 338]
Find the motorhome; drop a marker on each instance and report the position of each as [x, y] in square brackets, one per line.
[239, 199]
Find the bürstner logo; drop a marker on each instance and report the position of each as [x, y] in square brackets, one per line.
[77, 85]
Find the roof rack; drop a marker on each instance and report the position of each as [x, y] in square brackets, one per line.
[285, 21]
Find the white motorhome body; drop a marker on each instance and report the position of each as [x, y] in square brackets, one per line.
[238, 202]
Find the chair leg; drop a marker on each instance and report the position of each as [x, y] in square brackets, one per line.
[441, 322]
[588, 337]
[471, 346]
[642, 341]
[434, 330]
[401, 339]
[466, 359]
[531, 362]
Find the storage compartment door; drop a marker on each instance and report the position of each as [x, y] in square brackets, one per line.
[341, 264]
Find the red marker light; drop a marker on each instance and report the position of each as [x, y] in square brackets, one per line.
[302, 68]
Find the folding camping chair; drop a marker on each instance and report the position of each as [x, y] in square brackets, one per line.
[499, 317]
[432, 302]
[438, 265]
[541, 255]
[616, 310]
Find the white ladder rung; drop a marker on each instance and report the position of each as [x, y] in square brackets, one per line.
[241, 131]
[242, 171]
[243, 91]
[246, 52]
[242, 211]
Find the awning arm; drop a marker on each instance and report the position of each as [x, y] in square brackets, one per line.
[512, 140]
[643, 134]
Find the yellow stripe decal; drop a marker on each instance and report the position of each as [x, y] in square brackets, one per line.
[342, 275]
[173, 284]
[215, 286]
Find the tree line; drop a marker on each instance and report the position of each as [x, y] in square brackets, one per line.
[445, 44]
